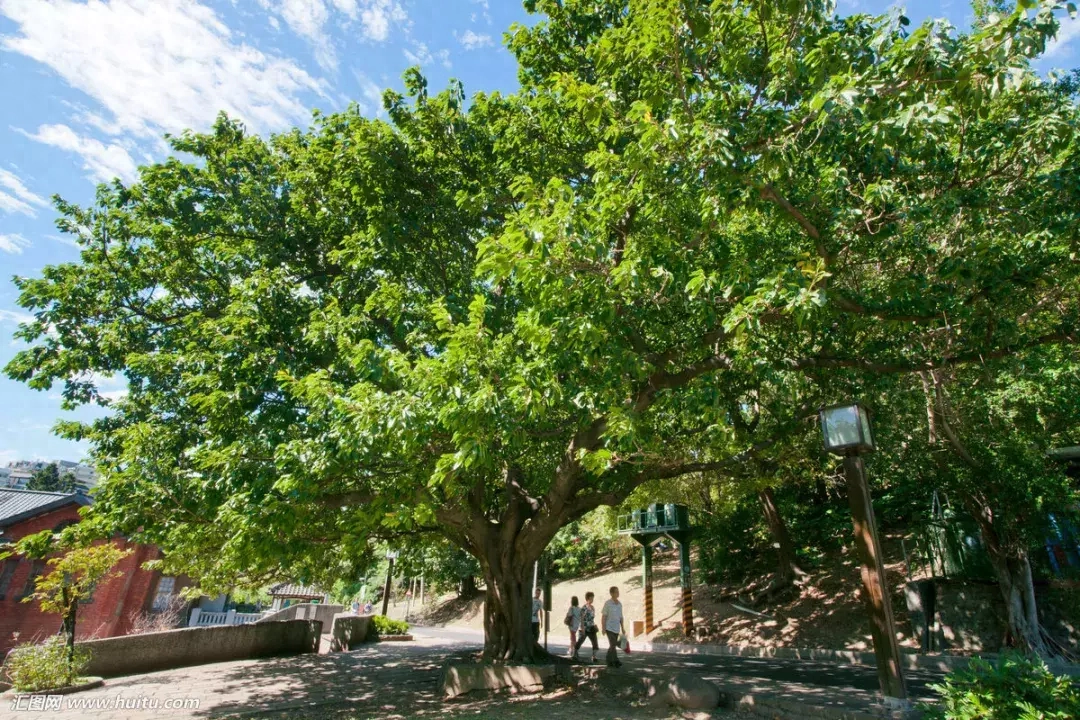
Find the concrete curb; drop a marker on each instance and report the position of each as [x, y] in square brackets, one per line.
[773, 707]
[910, 661]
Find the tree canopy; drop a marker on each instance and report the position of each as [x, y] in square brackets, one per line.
[485, 318]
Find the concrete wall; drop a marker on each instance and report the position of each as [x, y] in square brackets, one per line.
[970, 616]
[307, 611]
[348, 631]
[198, 646]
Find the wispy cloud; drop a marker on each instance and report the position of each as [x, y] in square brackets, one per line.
[471, 40]
[371, 93]
[15, 316]
[159, 65]
[420, 55]
[1067, 33]
[15, 197]
[376, 17]
[12, 244]
[104, 162]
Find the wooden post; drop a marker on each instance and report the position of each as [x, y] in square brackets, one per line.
[875, 589]
[687, 590]
[386, 590]
[646, 582]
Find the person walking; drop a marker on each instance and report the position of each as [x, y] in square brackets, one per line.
[537, 614]
[611, 619]
[588, 627]
[573, 622]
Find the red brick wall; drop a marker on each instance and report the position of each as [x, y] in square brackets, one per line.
[111, 610]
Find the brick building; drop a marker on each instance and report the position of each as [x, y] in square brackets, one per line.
[113, 606]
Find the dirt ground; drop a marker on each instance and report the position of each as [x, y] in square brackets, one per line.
[824, 612]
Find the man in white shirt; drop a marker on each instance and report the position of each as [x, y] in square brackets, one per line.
[537, 614]
[611, 620]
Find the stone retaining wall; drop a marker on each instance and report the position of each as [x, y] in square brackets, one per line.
[348, 631]
[148, 652]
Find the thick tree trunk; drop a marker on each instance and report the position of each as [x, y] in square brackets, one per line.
[788, 569]
[508, 617]
[1013, 571]
[1018, 591]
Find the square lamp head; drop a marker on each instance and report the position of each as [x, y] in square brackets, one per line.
[846, 429]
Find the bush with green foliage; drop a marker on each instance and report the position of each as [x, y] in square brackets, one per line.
[1016, 688]
[381, 625]
[34, 667]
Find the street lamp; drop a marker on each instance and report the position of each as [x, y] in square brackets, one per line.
[846, 431]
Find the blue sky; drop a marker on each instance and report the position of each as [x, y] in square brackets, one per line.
[90, 86]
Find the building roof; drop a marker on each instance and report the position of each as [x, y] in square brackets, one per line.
[294, 590]
[18, 505]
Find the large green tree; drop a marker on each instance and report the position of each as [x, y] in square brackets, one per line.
[486, 320]
[50, 479]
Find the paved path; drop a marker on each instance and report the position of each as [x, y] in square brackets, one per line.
[387, 675]
[815, 686]
[273, 685]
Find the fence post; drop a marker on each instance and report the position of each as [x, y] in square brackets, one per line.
[194, 621]
[230, 617]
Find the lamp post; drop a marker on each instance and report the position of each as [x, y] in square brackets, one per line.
[391, 555]
[846, 431]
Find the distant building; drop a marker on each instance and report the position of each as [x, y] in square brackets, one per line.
[18, 474]
[287, 594]
[85, 475]
[22, 471]
[115, 604]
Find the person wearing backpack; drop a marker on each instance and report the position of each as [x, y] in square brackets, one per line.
[573, 622]
[588, 628]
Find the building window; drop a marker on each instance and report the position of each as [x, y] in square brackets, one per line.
[163, 596]
[7, 570]
[36, 568]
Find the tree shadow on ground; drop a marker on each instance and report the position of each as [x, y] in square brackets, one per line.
[373, 686]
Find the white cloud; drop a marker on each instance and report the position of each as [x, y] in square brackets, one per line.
[307, 19]
[421, 55]
[349, 7]
[16, 198]
[15, 316]
[371, 92]
[1069, 31]
[158, 65]
[104, 162]
[376, 17]
[113, 395]
[14, 245]
[472, 41]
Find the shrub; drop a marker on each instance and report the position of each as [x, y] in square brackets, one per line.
[1017, 688]
[381, 625]
[31, 667]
